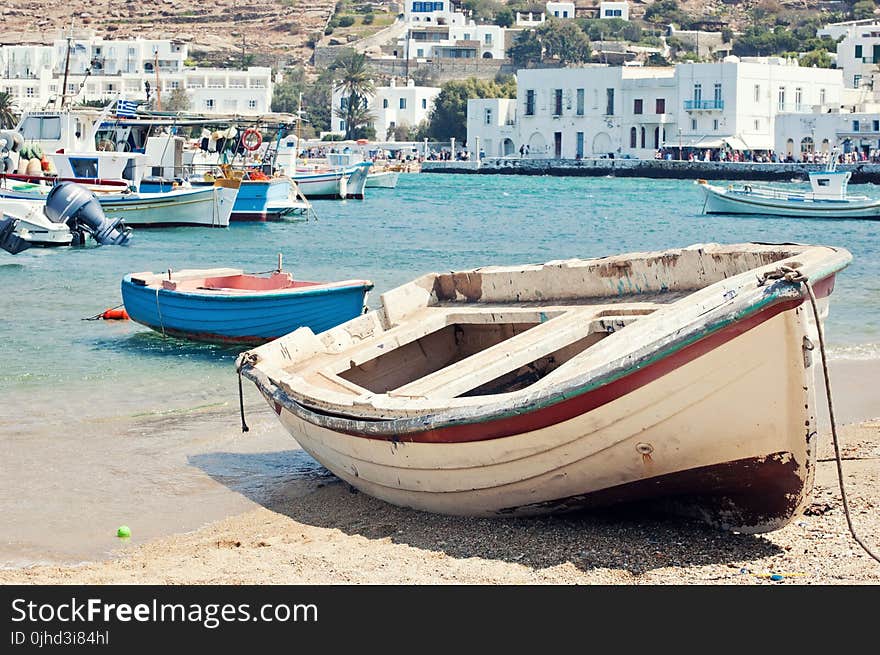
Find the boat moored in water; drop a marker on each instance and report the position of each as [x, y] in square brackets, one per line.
[383, 180]
[827, 198]
[518, 390]
[226, 305]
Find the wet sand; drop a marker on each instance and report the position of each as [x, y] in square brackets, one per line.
[297, 523]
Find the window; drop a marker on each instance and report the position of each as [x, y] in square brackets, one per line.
[643, 137]
[580, 102]
[403, 103]
[424, 103]
[487, 39]
[342, 126]
[698, 93]
[252, 104]
[875, 126]
[84, 166]
[609, 102]
[757, 93]
[857, 81]
[175, 84]
[209, 103]
[660, 106]
[420, 52]
[821, 96]
[656, 138]
[757, 124]
[530, 102]
[343, 102]
[579, 148]
[717, 93]
[384, 103]
[637, 106]
[715, 124]
[780, 105]
[488, 118]
[36, 128]
[858, 52]
[557, 105]
[29, 92]
[798, 98]
[693, 123]
[855, 126]
[632, 137]
[565, 14]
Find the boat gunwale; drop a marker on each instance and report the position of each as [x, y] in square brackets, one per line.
[268, 294]
[781, 293]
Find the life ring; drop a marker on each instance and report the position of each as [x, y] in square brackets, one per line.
[251, 139]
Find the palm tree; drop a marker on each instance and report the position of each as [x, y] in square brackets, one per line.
[356, 85]
[8, 115]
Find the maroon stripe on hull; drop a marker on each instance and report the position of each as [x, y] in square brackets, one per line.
[586, 402]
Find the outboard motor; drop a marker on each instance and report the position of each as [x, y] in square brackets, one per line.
[9, 240]
[78, 207]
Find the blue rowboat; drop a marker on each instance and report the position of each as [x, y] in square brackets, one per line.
[228, 306]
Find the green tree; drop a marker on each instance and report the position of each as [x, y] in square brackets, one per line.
[177, 100]
[449, 116]
[558, 40]
[665, 12]
[354, 80]
[863, 9]
[504, 17]
[818, 58]
[8, 114]
[316, 98]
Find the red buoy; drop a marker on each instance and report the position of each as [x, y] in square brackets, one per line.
[115, 315]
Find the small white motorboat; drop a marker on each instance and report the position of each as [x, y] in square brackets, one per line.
[828, 198]
[383, 179]
[32, 224]
[684, 376]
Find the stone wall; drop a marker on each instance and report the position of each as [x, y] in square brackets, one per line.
[649, 168]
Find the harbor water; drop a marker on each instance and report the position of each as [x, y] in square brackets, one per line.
[105, 422]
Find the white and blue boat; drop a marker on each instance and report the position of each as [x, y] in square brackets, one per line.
[827, 198]
[225, 305]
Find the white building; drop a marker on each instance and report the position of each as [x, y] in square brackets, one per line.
[614, 10]
[100, 70]
[560, 9]
[436, 31]
[633, 111]
[858, 52]
[390, 106]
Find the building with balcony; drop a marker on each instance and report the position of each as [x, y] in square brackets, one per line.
[633, 111]
[858, 50]
[101, 70]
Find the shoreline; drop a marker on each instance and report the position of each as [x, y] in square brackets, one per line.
[304, 525]
[862, 172]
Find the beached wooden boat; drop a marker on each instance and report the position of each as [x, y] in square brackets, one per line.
[543, 388]
[228, 306]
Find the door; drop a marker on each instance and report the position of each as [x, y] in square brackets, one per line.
[557, 145]
[579, 149]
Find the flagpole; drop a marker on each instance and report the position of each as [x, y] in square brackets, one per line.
[66, 69]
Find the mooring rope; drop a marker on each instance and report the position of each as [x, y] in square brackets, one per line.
[793, 275]
[159, 312]
[248, 359]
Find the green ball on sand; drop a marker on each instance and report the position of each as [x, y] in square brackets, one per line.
[123, 531]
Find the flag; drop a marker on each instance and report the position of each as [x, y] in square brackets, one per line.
[126, 108]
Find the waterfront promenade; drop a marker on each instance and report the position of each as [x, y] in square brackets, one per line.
[862, 172]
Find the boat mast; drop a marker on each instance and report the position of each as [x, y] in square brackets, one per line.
[66, 70]
[299, 119]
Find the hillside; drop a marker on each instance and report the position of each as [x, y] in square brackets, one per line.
[273, 30]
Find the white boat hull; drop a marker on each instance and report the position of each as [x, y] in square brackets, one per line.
[719, 200]
[383, 180]
[332, 184]
[601, 453]
[202, 207]
[33, 226]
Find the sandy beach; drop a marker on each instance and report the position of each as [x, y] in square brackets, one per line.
[315, 529]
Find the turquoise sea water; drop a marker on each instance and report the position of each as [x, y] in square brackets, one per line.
[430, 222]
[104, 422]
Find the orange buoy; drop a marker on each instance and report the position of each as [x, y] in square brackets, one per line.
[115, 315]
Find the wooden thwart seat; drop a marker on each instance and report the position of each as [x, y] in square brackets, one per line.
[488, 364]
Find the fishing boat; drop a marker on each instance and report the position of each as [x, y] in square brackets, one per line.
[827, 198]
[33, 226]
[195, 207]
[684, 375]
[225, 305]
[383, 180]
